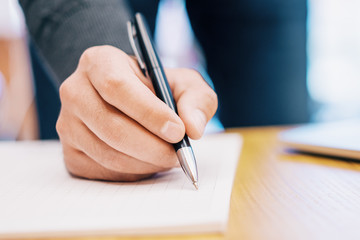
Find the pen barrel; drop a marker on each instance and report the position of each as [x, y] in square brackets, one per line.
[163, 91]
[156, 71]
[161, 87]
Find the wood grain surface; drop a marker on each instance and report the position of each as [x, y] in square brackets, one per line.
[282, 195]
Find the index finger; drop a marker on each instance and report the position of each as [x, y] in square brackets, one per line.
[196, 100]
[109, 71]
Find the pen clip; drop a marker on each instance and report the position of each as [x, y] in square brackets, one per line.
[132, 34]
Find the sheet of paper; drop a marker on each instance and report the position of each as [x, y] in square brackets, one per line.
[38, 198]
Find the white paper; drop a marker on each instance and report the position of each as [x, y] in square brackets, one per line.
[38, 198]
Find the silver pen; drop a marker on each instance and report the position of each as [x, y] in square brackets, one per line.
[151, 66]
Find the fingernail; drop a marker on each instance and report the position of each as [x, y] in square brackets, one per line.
[172, 131]
[199, 120]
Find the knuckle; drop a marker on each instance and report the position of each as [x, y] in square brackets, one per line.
[67, 91]
[95, 53]
[113, 83]
[192, 73]
[64, 130]
[88, 54]
[60, 125]
[211, 100]
[63, 91]
[91, 54]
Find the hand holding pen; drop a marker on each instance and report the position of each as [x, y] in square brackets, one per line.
[112, 125]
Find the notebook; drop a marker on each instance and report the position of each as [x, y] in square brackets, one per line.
[38, 198]
[338, 139]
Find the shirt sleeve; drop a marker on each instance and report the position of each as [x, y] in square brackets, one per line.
[62, 29]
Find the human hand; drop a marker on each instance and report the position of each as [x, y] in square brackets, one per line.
[113, 127]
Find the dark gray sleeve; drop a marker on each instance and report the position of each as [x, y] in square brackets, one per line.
[63, 29]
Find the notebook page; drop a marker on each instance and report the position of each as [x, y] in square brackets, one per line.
[39, 198]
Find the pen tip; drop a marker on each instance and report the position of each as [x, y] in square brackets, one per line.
[196, 185]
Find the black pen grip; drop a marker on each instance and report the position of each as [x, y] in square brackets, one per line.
[183, 143]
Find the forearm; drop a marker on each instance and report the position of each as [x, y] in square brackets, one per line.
[63, 29]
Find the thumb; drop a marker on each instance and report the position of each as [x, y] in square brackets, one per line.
[196, 101]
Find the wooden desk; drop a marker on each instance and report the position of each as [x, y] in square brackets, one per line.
[280, 195]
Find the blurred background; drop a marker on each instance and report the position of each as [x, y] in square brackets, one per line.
[333, 50]
[333, 71]
[334, 58]
[18, 116]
